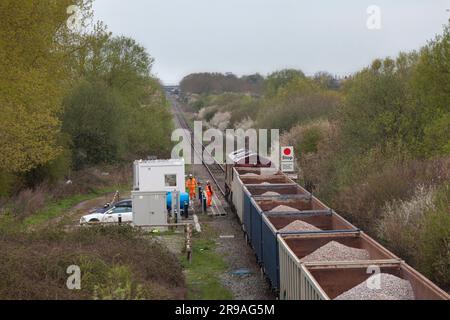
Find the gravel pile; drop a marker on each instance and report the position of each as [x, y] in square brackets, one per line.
[270, 193]
[391, 288]
[335, 251]
[299, 225]
[283, 208]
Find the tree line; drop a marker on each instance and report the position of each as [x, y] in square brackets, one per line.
[72, 98]
[209, 83]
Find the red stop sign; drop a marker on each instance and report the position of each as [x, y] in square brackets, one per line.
[287, 152]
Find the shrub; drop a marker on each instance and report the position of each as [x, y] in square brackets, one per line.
[245, 124]
[115, 262]
[315, 144]
[8, 182]
[288, 110]
[418, 230]
[197, 105]
[29, 201]
[119, 285]
[402, 222]
[207, 113]
[94, 119]
[214, 83]
[434, 249]
[377, 181]
[240, 106]
[221, 120]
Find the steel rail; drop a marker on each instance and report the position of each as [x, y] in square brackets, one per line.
[183, 123]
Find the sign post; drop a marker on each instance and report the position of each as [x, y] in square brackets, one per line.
[287, 159]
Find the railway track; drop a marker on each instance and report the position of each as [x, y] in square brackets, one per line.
[215, 169]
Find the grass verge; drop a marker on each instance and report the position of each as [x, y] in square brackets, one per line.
[116, 262]
[202, 273]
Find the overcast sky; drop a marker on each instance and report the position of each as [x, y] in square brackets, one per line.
[249, 36]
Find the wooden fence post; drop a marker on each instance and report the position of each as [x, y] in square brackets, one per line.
[188, 231]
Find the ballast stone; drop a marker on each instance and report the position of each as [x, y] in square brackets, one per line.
[283, 208]
[270, 193]
[335, 251]
[391, 288]
[299, 225]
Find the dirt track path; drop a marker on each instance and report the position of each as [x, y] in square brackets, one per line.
[74, 214]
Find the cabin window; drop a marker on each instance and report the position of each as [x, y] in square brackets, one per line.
[170, 180]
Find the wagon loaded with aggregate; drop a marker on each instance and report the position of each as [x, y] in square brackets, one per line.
[274, 224]
[309, 252]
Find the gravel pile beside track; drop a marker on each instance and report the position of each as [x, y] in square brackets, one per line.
[283, 208]
[335, 251]
[392, 288]
[299, 225]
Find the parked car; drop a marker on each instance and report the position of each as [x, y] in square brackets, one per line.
[111, 214]
[107, 206]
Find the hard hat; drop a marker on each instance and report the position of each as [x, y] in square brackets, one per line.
[190, 175]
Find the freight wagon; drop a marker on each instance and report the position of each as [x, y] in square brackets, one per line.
[240, 200]
[292, 248]
[272, 223]
[326, 282]
[258, 206]
[260, 191]
[248, 200]
[244, 174]
[253, 192]
[242, 159]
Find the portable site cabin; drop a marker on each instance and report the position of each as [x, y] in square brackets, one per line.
[159, 175]
[153, 180]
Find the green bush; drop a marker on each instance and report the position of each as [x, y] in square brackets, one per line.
[437, 136]
[198, 105]
[119, 285]
[93, 118]
[217, 83]
[239, 106]
[375, 181]
[8, 182]
[310, 141]
[401, 223]
[297, 102]
[434, 257]
[115, 263]
[280, 79]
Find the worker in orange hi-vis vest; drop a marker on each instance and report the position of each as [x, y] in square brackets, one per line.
[209, 194]
[191, 186]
